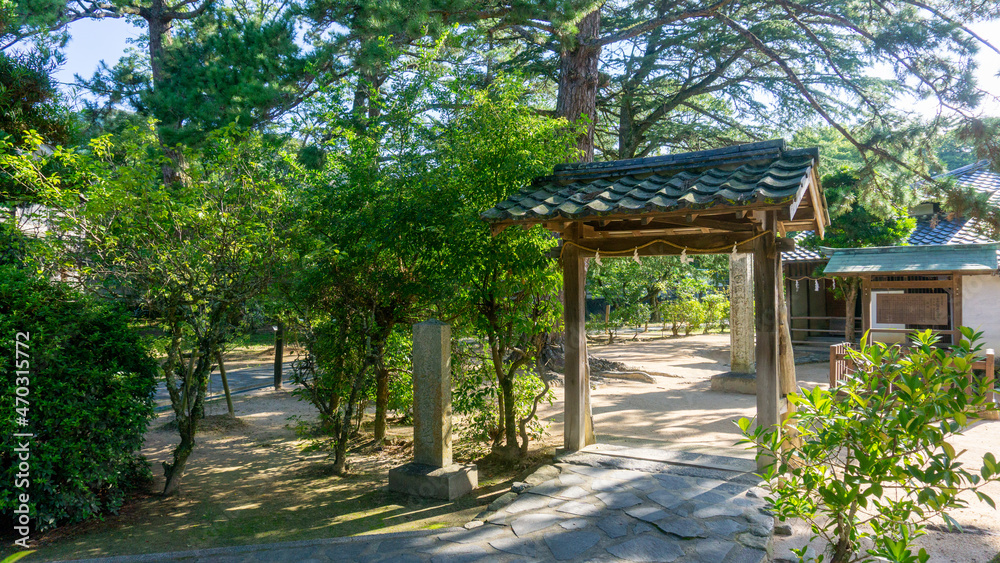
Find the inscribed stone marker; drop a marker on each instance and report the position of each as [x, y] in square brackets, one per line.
[432, 393]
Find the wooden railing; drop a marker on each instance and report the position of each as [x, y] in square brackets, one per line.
[841, 366]
[840, 332]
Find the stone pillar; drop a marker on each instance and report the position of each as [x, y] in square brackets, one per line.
[432, 393]
[741, 315]
[432, 473]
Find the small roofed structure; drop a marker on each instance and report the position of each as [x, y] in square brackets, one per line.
[905, 288]
[818, 315]
[740, 199]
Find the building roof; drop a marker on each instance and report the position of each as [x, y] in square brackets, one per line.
[933, 259]
[762, 175]
[935, 229]
[801, 253]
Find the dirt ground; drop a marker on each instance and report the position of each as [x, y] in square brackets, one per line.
[680, 411]
[253, 484]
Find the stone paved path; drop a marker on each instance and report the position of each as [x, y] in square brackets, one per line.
[606, 504]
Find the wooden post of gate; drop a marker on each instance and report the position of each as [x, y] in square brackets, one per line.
[766, 276]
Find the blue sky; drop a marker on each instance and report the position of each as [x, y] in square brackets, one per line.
[94, 40]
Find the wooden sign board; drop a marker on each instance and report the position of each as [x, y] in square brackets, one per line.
[912, 309]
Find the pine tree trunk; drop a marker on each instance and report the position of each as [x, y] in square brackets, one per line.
[851, 296]
[579, 79]
[159, 22]
[626, 116]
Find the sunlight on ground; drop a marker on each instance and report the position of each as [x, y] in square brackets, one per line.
[254, 485]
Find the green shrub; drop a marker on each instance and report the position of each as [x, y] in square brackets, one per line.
[695, 315]
[716, 308]
[90, 391]
[724, 310]
[475, 394]
[675, 313]
[872, 461]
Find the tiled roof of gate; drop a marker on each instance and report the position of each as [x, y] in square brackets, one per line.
[936, 229]
[754, 173]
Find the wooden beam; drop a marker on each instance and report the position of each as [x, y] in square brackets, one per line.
[496, 229]
[751, 210]
[911, 284]
[722, 242]
[819, 205]
[785, 244]
[766, 275]
[576, 378]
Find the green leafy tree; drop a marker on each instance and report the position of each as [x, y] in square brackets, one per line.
[372, 249]
[495, 144]
[873, 461]
[623, 284]
[193, 253]
[853, 225]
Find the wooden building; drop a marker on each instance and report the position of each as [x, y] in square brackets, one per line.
[907, 288]
[818, 314]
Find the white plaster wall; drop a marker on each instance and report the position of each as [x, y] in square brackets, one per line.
[981, 307]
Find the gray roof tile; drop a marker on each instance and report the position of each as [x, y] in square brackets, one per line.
[934, 230]
[735, 176]
[981, 258]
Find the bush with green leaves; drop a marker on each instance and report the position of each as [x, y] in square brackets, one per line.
[716, 308]
[873, 462]
[89, 389]
[674, 313]
[723, 316]
[475, 396]
[694, 313]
